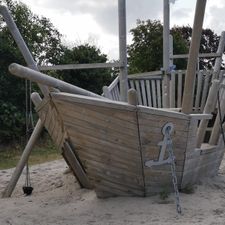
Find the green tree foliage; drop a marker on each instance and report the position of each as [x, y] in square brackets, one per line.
[209, 43]
[44, 42]
[146, 51]
[89, 79]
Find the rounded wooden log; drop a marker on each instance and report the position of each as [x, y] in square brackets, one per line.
[166, 33]
[187, 103]
[36, 99]
[42, 78]
[23, 160]
[214, 137]
[132, 97]
[123, 49]
[209, 108]
[218, 61]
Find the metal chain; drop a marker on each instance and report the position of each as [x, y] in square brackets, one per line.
[173, 170]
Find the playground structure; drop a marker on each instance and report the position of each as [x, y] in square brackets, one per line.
[122, 148]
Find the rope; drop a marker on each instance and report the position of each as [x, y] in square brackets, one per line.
[27, 189]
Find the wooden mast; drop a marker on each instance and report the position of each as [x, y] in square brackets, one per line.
[123, 50]
[187, 103]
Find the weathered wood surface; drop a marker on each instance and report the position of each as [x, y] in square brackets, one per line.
[149, 87]
[150, 128]
[106, 138]
[113, 140]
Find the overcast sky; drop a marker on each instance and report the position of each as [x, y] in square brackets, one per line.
[96, 21]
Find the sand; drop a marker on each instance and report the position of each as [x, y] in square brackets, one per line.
[57, 199]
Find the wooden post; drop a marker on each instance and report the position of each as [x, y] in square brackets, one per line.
[218, 62]
[106, 92]
[209, 108]
[171, 50]
[214, 137]
[132, 97]
[187, 103]
[123, 50]
[41, 78]
[21, 43]
[166, 52]
[216, 74]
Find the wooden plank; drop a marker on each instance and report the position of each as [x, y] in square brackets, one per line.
[117, 92]
[172, 90]
[107, 93]
[75, 165]
[143, 92]
[134, 181]
[205, 91]
[109, 136]
[103, 127]
[132, 84]
[159, 94]
[114, 83]
[79, 66]
[158, 74]
[94, 153]
[109, 169]
[163, 112]
[200, 55]
[159, 121]
[107, 103]
[137, 88]
[90, 145]
[153, 93]
[148, 93]
[199, 91]
[114, 118]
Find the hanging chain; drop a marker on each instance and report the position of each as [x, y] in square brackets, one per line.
[173, 168]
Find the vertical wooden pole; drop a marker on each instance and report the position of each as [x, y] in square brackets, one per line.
[209, 108]
[216, 73]
[218, 62]
[166, 57]
[170, 50]
[187, 103]
[132, 97]
[123, 50]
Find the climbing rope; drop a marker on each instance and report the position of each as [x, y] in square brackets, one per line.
[27, 188]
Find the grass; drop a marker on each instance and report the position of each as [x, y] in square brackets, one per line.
[43, 151]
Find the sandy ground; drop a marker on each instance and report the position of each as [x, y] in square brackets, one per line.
[57, 199]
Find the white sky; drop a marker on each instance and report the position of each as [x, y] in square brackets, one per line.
[96, 21]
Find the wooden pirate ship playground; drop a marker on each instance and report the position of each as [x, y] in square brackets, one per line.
[143, 129]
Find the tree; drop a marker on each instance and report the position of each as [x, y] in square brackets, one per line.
[209, 43]
[90, 79]
[146, 51]
[44, 41]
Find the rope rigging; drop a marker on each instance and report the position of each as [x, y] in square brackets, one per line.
[27, 188]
